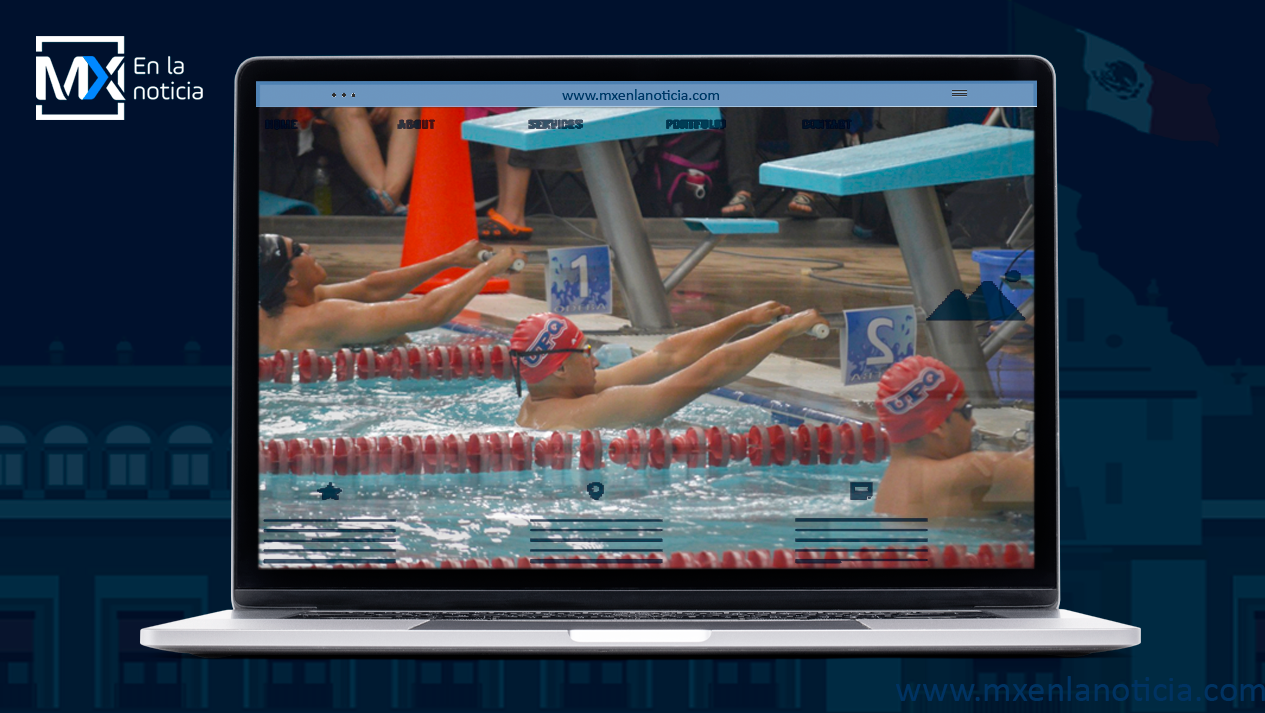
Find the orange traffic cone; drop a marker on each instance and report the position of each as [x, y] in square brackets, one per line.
[441, 199]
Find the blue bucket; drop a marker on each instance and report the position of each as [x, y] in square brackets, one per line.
[992, 267]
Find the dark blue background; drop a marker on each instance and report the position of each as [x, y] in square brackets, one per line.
[130, 212]
[124, 233]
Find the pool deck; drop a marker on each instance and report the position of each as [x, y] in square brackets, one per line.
[804, 372]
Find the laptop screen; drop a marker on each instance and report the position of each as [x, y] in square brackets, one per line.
[645, 325]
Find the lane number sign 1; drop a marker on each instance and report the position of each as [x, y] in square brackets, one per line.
[579, 280]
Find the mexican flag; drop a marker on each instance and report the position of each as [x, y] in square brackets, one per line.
[1096, 75]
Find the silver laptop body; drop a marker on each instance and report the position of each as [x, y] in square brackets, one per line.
[960, 603]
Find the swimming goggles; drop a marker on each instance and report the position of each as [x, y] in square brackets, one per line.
[281, 271]
[516, 355]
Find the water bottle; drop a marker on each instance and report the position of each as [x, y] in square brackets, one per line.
[819, 331]
[697, 181]
[324, 195]
[609, 355]
[1024, 436]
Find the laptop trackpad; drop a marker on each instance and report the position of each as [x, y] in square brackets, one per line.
[640, 636]
[638, 632]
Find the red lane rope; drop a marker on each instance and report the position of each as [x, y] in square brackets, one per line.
[656, 448]
[1012, 555]
[446, 362]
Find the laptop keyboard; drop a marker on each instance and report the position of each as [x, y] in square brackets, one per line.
[644, 615]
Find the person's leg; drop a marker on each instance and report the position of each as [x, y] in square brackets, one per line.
[740, 140]
[360, 146]
[741, 124]
[401, 150]
[501, 156]
[505, 222]
[803, 142]
[511, 201]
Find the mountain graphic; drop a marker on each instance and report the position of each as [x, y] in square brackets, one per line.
[986, 303]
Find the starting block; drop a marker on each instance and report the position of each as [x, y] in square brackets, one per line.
[606, 173]
[717, 229]
[732, 226]
[906, 170]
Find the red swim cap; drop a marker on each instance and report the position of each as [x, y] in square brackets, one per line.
[538, 333]
[915, 396]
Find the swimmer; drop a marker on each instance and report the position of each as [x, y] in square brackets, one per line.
[297, 312]
[566, 391]
[933, 472]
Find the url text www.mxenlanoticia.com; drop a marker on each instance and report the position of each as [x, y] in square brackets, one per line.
[1144, 690]
[635, 95]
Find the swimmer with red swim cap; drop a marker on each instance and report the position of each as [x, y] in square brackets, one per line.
[567, 391]
[933, 472]
[297, 312]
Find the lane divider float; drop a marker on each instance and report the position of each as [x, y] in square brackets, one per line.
[446, 362]
[1012, 555]
[655, 448]
[716, 447]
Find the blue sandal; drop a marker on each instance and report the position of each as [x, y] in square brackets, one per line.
[382, 201]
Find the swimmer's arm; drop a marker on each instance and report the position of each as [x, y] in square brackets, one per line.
[388, 285]
[681, 350]
[623, 405]
[351, 322]
[1014, 475]
[1009, 476]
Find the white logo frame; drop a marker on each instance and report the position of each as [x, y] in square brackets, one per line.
[39, 47]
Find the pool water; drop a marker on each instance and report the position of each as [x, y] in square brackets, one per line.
[485, 515]
[385, 407]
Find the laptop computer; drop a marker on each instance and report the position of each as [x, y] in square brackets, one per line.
[385, 500]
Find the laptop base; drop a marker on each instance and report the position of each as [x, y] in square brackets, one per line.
[282, 633]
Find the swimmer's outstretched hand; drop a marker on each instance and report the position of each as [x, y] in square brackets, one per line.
[765, 313]
[468, 255]
[803, 322]
[504, 258]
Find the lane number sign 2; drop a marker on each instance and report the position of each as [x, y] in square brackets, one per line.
[874, 339]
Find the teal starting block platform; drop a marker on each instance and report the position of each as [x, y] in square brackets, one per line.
[599, 124]
[906, 170]
[955, 155]
[610, 187]
[273, 204]
[732, 226]
[717, 229]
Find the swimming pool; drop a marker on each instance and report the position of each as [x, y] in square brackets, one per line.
[458, 516]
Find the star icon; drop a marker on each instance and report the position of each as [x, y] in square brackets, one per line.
[329, 492]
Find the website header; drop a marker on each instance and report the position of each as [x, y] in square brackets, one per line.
[650, 93]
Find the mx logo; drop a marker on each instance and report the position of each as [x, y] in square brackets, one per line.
[85, 78]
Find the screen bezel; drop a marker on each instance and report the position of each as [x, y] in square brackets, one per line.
[562, 589]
